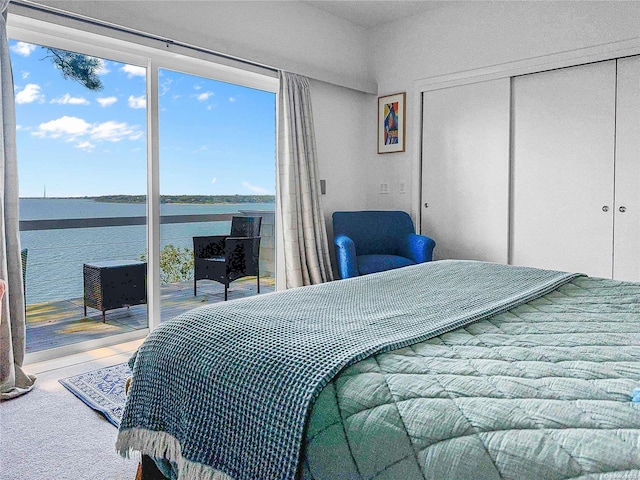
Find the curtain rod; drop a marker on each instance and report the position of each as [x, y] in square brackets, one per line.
[112, 26]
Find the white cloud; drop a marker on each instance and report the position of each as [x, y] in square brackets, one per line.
[134, 71]
[87, 135]
[102, 69]
[115, 131]
[138, 102]
[106, 101]
[253, 188]
[23, 49]
[68, 127]
[25, 75]
[29, 94]
[164, 86]
[86, 145]
[232, 99]
[67, 99]
[214, 180]
[204, 96]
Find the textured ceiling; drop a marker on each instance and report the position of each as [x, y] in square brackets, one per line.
[371, 13]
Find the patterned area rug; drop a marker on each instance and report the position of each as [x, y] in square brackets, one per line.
[102, 390]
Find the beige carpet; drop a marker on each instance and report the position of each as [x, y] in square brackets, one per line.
[50, 434]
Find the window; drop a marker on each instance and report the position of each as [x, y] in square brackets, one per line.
[113, 169]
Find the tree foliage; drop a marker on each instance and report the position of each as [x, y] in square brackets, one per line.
[176, 264]
[76, 66]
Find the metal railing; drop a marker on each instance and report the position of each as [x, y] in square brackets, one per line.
[64, 223]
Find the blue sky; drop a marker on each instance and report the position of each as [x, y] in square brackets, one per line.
[215, 138]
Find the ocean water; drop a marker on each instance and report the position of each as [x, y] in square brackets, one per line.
[55, 258]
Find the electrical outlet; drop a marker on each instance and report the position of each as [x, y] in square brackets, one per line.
[384, 188]
[402, 188]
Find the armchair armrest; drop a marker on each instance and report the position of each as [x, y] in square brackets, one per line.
[418, 248]
[242, 256]
[346, 256]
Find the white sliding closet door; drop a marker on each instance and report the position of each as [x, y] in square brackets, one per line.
[626, 265]
[465, 170]
[563, 165]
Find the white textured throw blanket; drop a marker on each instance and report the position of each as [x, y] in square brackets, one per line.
[224, 391]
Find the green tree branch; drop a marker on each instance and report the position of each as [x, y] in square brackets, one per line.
[81, 68]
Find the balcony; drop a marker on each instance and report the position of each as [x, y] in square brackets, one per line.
[59, 323]
[59, 320]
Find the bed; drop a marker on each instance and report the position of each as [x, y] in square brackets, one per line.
[449, 369]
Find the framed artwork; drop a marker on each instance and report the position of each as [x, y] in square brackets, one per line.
[391, 123]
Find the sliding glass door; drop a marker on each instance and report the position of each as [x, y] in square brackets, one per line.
[81, 142]
[125, 153]
[217, 160]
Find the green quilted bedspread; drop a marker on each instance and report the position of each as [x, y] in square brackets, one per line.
[542, 391]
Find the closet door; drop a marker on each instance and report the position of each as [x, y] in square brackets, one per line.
[465, 170]
[626, 265]
[563, 166]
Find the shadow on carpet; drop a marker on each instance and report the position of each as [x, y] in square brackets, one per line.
[102, 390]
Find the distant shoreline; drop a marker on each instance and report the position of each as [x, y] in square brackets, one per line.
[193, 199]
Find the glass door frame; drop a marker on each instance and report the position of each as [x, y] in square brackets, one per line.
[153, 55]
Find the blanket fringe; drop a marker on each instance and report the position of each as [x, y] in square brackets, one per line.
[166, 446]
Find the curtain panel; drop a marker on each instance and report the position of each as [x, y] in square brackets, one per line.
[306, 250]
[13, 380]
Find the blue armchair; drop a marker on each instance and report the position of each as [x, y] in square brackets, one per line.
[374, 241]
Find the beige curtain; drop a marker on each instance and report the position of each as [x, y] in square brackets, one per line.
[13, 380]
[306, 250]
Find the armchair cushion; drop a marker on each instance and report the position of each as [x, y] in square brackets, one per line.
[379, 263]
[374, 241]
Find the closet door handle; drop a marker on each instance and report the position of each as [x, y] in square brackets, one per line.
[622, 209]
[605, 208]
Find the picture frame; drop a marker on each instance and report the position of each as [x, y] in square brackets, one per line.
[391, 123]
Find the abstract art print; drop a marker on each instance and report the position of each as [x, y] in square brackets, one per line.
[391, 123]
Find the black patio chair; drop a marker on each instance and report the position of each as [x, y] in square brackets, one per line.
[23, 255]
[225, 258]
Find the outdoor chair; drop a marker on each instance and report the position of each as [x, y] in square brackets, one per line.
[374, 241]
[225, 258]
[23, 255]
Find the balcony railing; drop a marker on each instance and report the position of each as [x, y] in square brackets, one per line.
[54, 321]
[95, 249]
[61, 224]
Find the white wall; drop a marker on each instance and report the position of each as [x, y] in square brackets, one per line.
[344, 146]
[470, 35]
